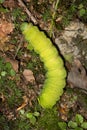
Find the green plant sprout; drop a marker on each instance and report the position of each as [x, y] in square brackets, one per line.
[30, 115]
[1, 1]
[6, 69]
[82, 10]
[77, 124]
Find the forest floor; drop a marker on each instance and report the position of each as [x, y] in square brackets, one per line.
[22, 73]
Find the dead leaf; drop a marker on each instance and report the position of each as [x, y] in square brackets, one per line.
[5, 29]
[28, 74]
[14, 63]
[63, 111]
[77, 76]
[10, 4]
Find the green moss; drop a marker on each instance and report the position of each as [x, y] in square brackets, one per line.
[48, 120]
[20, 124]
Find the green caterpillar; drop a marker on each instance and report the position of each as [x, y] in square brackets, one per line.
[53, 63]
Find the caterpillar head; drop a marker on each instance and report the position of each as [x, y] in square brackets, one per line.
[25, 26]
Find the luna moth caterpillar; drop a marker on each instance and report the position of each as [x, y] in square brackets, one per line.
[53, 63]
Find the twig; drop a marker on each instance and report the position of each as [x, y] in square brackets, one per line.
[53, 17]
[18, 48]
[28, 12]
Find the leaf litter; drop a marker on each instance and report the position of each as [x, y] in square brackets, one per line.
[27, 80]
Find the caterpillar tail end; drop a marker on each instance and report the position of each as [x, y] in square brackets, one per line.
[44, 104]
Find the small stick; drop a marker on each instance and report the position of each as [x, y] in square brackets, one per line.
[18, 48]
[28, 12]
[53, 17]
